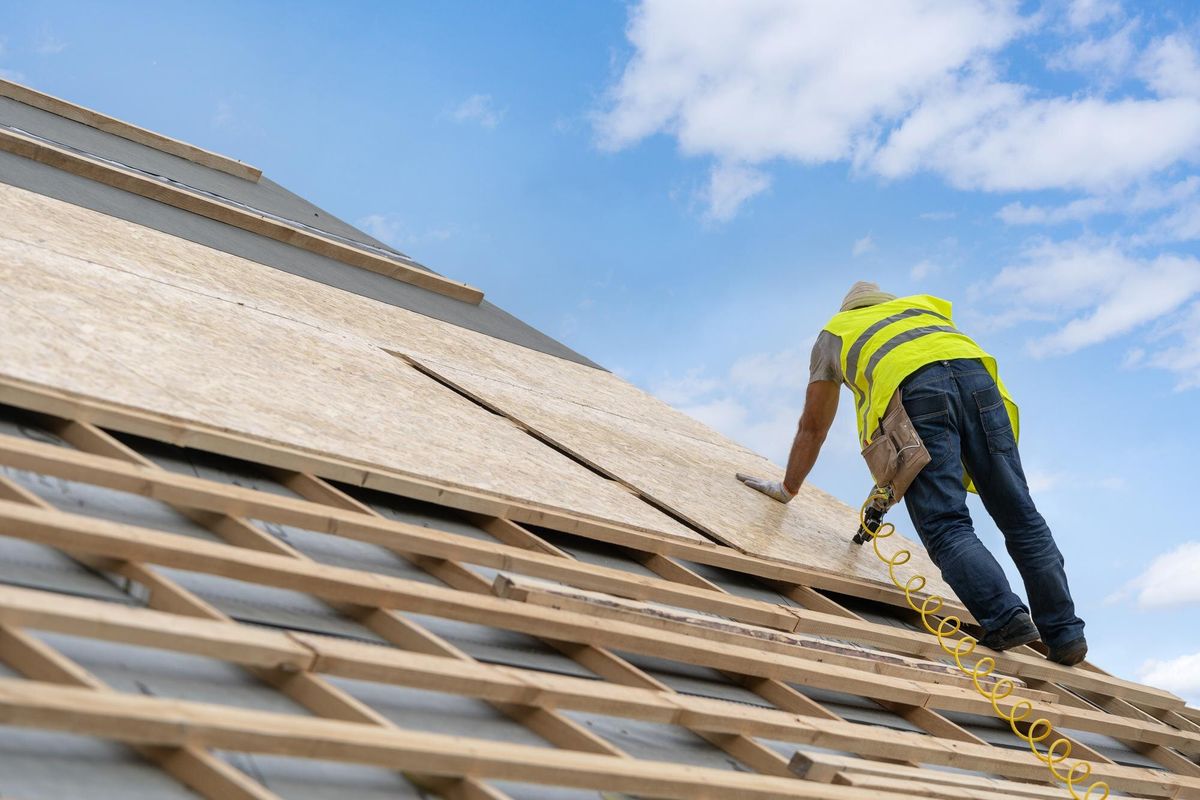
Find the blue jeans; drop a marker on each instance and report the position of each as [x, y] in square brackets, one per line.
[956, 408]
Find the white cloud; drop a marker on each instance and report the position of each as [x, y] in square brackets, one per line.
[223, 115]
[47, 44]
[1137, 201]
[479, 109]
[1171, 67]
[1082, 13]
[730, 186]
[994, 136]
[1041, 481]
[896, 88]
[1183, 357]
[390, 228]
[1075, 211]
[755, 80]
[1107, 55]
[786, 369]
[384, 227]
[755, 402]
[1169, 581]
[687, 389]
[1101, 291]
[749, 82]
[924, 269]
[864, 245]
[1179, 675]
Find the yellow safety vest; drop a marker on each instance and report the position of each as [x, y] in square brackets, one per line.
[884, 344]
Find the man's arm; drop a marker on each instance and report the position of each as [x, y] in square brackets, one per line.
[820, 407]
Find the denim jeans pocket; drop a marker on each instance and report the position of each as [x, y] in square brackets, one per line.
[929, 413]
[993, 417]
[938, 445]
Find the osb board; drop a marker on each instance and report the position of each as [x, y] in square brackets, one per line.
[605, 420]
[100, 332]
[695, 479]
[90, 235]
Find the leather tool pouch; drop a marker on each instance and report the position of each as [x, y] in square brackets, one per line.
[896, 454]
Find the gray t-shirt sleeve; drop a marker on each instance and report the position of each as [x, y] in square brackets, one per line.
[826, 363]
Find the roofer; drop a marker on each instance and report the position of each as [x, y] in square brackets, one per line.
[882, 346]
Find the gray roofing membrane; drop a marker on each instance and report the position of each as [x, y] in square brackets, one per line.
[265, 196]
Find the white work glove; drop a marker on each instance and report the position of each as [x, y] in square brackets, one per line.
[772, 489]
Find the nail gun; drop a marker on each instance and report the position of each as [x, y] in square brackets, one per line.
[880, 501]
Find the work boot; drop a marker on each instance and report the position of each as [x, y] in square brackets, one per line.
[1070, 653]
[1017, 631]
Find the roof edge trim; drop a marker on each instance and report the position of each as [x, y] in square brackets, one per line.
[126, 130]
[14, 141]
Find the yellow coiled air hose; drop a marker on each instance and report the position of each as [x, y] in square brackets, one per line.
[959, 645]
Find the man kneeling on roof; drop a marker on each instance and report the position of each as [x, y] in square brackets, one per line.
[906, 352]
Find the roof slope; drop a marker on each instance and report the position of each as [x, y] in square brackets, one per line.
[266, 536]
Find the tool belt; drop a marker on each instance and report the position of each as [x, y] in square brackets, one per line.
[896, 453]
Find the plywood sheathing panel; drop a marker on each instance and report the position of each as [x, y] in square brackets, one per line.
[149, 345]
[695, 479]
[606, 421]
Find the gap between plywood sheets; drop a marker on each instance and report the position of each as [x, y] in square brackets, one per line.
[690, 477]
[105, 333]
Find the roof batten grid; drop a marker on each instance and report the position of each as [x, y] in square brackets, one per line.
[555, 729]
[741, 747]
[154, 721]
[192, 766]
[309, 691]
[122, 541]
[599, 660]
[373, 662]
[188, 491]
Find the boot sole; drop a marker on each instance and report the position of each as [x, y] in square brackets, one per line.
[1017, 642]
[1071, 660]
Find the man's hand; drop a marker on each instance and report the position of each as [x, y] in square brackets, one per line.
[772, 489]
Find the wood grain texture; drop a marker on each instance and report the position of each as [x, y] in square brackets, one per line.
[695, 479]
[101, 332]
[605, 420]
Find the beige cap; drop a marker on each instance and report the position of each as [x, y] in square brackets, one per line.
[863, 294]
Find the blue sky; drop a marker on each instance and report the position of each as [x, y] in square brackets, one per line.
[683, 192]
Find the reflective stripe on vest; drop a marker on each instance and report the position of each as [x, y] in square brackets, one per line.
[887, 347]
[884, 344]
[861, 341]
[851, 371]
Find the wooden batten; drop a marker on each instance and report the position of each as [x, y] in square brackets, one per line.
[103, 122]
[205, 206]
